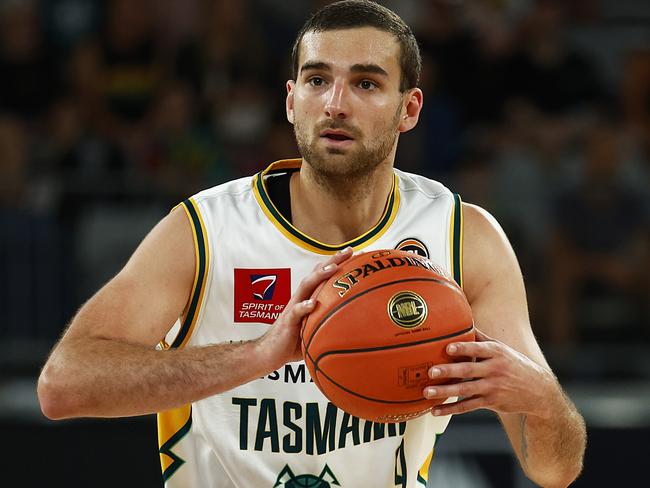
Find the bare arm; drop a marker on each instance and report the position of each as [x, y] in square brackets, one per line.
[511, 375]
[106, 364]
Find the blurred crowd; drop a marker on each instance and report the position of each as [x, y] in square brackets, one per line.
[111, 112]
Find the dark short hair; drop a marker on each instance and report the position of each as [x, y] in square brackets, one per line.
[348, 14]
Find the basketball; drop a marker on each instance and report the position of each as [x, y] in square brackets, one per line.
[379, 323]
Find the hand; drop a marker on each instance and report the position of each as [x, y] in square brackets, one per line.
[499, 379]
[282, 341]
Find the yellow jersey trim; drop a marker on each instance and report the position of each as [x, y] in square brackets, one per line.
[174, 424]
[303, 240]
[202, 255]
[456, 240]
[172, 427]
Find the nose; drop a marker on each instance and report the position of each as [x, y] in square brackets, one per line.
[336, 106]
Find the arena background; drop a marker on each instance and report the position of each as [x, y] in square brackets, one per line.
[112, 112]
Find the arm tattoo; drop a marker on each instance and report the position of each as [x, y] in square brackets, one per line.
[524, 442]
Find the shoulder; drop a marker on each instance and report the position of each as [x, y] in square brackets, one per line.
[487, 253]
[478, 222]
[410, 182]
[217, 204]
[228, 189]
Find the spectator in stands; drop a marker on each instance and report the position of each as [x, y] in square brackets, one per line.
[118, 73]
[636, 95]
[599, 255]
[87, 166]
[29, 78]
[468, 80]
[470, 44]
[15, 163]
[185, 154]
[66, 23]
[547, 72]
[232, 74]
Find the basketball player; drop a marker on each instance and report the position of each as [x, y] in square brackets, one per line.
[202, 324]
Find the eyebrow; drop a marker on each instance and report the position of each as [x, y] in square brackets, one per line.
[355, 68]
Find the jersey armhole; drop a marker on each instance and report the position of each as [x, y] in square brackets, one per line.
[456, 240]
[202, 256]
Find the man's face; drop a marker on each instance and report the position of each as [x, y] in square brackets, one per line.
[345, 104]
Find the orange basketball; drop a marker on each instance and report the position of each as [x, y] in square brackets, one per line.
[379, 324]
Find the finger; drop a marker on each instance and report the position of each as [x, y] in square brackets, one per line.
[479, 350]
[321, 272]
[461, 389]
[299, 310]
[462, 406]
[467, 369]
[342, 255]
[310, 282]
[337, 258]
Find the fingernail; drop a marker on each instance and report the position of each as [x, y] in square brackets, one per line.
[308, 303]
[451, 348]
[344, 250]
[436, 412]
[430, 392]
[329, 267]
[433, 372]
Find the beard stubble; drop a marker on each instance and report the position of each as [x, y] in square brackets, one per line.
[338, 171]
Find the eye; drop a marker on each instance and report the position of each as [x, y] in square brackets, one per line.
[367, 85]
[316, 81]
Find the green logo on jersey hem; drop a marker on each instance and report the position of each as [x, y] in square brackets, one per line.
[287, 479]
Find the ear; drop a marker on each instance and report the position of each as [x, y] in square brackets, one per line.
[289, 103]
[411, 109]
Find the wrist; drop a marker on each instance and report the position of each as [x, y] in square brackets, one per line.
[550, 401]
[262, 356]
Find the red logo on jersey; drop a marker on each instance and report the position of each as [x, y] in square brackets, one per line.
[261, 294]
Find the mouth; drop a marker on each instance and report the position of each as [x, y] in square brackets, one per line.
[336, 140]
[336, 136]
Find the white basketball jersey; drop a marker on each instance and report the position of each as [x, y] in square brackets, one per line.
[280, 430]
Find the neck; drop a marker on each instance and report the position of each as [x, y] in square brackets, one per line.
[334, 211]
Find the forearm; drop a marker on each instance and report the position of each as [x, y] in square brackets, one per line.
[94, 377]
[550, 444]
[94, 372]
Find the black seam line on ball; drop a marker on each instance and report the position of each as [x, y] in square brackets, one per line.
[393, 346]
[343, 304]
[377, 400]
